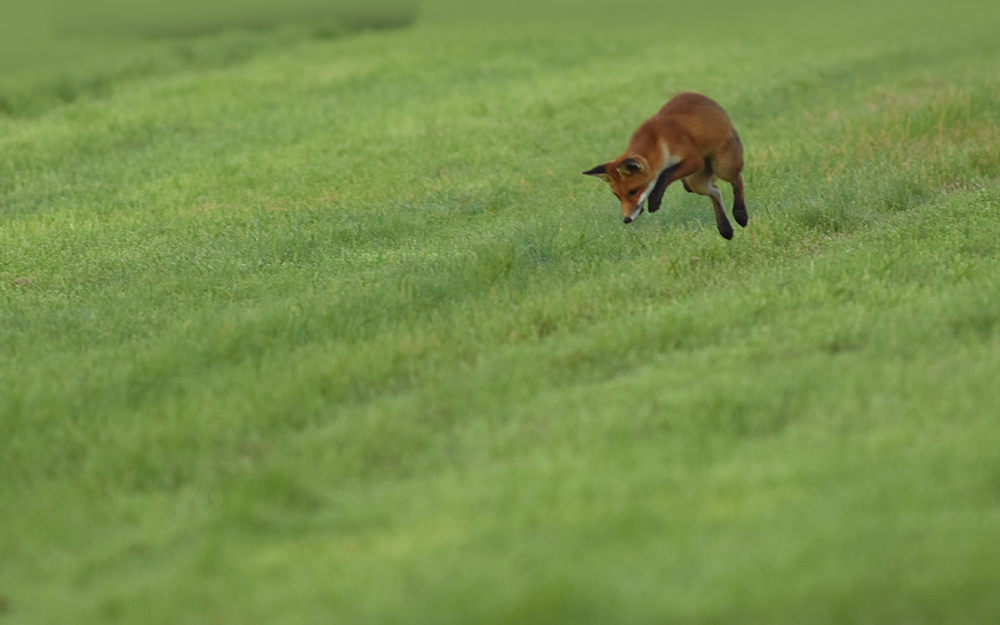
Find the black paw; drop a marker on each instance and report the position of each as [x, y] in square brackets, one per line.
[740, 214]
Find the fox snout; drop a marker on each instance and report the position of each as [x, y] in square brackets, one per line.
[630, 216]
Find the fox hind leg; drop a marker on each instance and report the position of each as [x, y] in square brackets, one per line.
[728, 166]
[739, 205]
[703, 183]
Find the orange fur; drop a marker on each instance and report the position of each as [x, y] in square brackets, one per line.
[690, 139]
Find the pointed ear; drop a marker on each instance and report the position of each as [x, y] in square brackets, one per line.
[601, 171]
[630, 167]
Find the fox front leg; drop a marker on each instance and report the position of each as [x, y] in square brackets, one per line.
[656, 195]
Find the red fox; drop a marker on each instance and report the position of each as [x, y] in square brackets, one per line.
[691, 139]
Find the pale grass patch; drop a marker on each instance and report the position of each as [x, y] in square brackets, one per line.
[932, 132]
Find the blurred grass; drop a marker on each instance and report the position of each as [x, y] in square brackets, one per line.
[335, 330]
[190, 17]
[59, 52]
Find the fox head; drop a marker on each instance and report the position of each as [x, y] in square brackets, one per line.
[631, 179]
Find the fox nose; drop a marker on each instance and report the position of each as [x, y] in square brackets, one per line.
[628, 220]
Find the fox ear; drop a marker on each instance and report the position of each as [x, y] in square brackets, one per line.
[630, 167]
[601, 171]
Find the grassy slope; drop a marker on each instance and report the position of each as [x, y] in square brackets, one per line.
[340, 333]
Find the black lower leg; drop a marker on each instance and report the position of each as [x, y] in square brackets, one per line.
[740, 214]
[656, 195]
[739, 206]
[725, 228]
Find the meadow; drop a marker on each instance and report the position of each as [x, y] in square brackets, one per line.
[310, 325]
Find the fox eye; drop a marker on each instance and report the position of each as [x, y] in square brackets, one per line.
[633, 192]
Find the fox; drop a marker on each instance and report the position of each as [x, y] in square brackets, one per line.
[690, 139]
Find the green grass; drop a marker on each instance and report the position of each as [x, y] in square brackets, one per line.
[334, 330]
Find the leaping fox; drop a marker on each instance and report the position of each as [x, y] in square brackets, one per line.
[692, 140]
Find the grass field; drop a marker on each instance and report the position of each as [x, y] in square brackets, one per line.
[313, 327]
